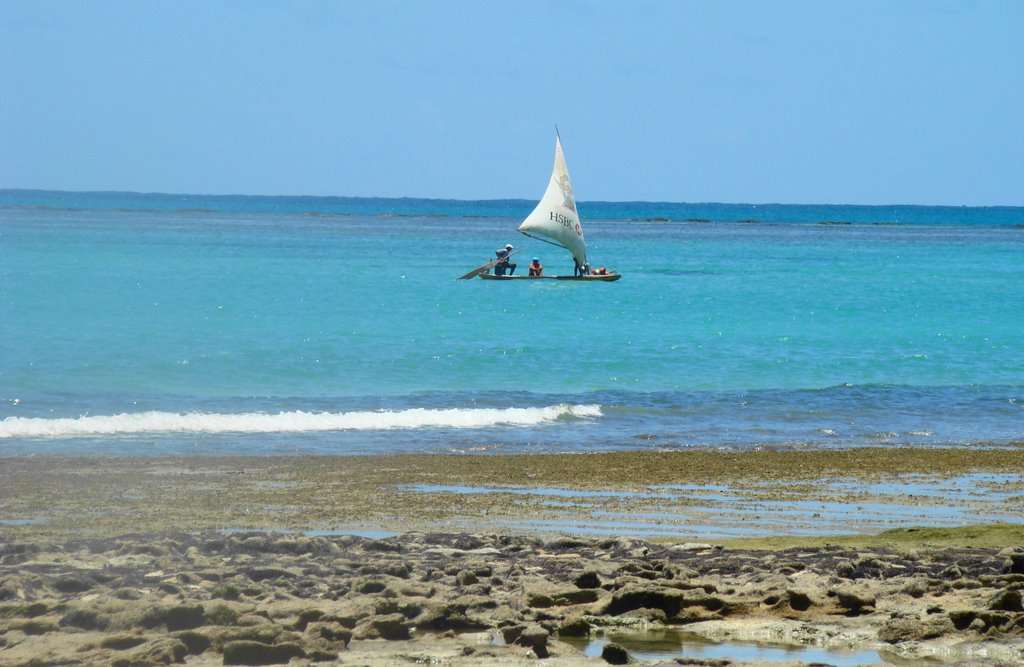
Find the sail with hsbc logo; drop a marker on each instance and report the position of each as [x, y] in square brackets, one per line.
[555, 216]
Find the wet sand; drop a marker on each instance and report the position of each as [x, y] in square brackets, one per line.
[483, 560]
[700, 494]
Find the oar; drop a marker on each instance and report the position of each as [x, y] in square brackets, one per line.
[477, 271]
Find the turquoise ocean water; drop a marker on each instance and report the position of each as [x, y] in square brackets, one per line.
[158, 324]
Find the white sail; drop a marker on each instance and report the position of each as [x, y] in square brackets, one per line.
[555, 216]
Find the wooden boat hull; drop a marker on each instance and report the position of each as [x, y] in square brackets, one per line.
[607, 278]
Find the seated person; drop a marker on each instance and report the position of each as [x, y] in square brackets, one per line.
[536, 268]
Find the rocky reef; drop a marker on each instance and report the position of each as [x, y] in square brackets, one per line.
[259, 598]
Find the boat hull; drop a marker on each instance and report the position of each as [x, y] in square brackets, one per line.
[592, 278]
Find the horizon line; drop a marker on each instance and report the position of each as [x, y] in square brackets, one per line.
[495, 199]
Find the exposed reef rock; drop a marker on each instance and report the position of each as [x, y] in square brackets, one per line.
[270, 599]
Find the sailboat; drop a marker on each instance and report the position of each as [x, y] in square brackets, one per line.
[556, 220]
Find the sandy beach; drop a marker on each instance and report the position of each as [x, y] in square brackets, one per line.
[506, 560]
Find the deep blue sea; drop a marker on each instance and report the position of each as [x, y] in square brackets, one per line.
[165, 324]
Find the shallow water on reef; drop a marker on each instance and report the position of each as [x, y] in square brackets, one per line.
[717, 511]
[669, 644]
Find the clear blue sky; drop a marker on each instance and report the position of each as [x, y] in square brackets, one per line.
[796, 102]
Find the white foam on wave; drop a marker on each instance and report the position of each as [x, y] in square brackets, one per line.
[153, 422]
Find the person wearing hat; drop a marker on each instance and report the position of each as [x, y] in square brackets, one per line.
[503, 264]
[536, 268]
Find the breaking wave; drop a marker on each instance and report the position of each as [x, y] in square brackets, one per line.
[142, 423]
